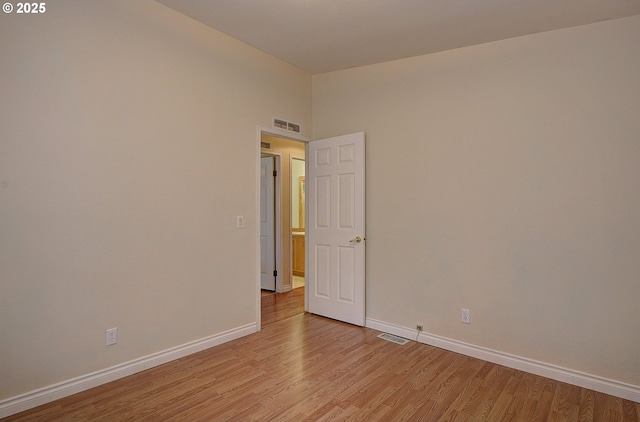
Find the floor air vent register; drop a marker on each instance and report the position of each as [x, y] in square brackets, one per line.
[394, 339]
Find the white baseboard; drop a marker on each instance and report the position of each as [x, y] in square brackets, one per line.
[48, 394]
[580, 379]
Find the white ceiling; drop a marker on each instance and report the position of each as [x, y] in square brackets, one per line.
[325, 35]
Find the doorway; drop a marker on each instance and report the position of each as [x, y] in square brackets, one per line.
[335, 204]
[288, 222]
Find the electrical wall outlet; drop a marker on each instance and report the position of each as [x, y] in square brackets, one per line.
[419, 327]
[112, 336]
[465, 316]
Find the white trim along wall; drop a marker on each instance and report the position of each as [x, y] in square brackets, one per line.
[581, 379]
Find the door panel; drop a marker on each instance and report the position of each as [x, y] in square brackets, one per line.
[323, 271]
[346, 198]
[346, 275]
[336, 264]
[323, 202]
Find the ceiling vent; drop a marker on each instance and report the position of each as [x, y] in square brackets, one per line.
[283, 124]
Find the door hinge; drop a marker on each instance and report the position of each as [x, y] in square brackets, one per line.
[275, 273]
[275, 173]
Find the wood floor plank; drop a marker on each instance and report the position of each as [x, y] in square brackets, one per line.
[304, 367]
[504, 399]
[629, 411]
[484, 398]
[456, 409]
[587, 404]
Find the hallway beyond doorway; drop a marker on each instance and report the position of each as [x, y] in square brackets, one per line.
[297, 282]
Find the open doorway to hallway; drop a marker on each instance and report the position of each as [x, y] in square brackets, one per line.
[287, 256]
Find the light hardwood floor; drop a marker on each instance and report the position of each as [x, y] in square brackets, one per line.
[302, 367]
[276, 307]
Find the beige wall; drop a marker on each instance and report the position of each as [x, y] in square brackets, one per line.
[127, 149]
[505, 178]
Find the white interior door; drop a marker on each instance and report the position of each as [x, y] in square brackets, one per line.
[267, 224]
[336, 228]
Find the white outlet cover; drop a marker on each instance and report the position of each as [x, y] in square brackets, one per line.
[465, 316]
[112, 336]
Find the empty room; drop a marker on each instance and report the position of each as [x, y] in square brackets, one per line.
[471, 189]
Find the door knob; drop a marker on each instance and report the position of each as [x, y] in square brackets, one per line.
[356, 239]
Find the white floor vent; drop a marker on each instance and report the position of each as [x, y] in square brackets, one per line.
[394, 339]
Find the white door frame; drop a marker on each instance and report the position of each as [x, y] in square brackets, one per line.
[280, 133]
